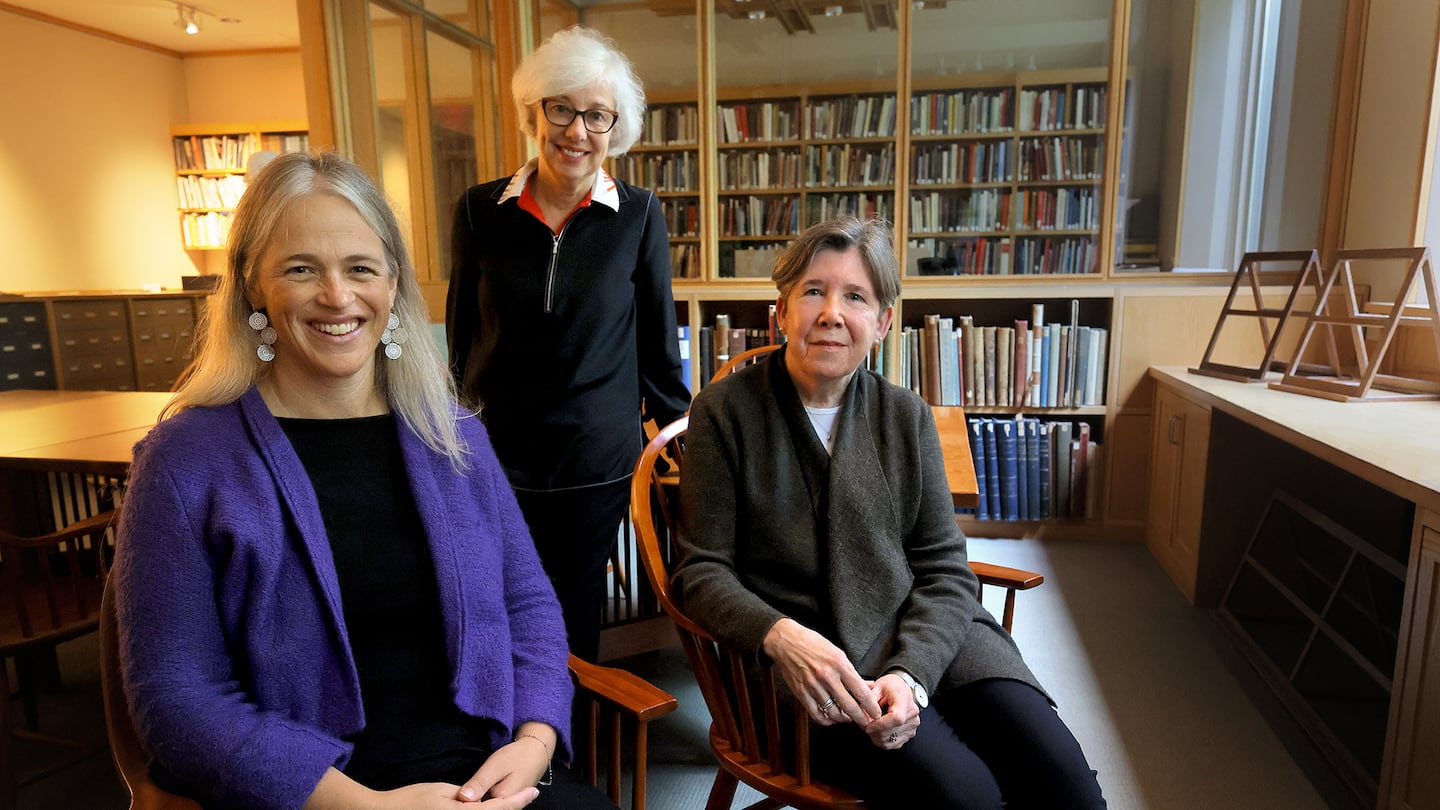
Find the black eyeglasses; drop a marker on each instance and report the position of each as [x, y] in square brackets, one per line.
[562, 115]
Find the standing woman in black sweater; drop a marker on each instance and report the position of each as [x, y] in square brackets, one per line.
[560, 316]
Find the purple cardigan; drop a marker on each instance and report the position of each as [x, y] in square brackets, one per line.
[235, 657]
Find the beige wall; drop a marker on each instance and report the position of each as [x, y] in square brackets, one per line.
[1397, 81]
[260, 87]
[87, 175]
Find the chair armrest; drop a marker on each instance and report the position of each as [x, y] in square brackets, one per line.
[1011, 578]
[627, 690]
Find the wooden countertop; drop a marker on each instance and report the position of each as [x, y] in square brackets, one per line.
[1394, 444]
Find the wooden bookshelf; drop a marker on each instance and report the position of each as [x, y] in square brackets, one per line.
[211, 161]
[1006, 174]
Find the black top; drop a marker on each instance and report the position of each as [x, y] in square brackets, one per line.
[563, 340]
[391, 603]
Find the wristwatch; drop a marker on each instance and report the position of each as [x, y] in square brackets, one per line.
[922, 698]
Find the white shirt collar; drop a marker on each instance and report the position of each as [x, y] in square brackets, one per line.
[604, 190]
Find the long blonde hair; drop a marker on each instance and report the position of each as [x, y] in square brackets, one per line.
[417, 385]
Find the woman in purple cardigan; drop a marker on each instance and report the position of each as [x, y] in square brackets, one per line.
[327, 595]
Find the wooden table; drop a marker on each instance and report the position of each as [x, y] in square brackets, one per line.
[61, 452]
[959, 464]
[74, 431]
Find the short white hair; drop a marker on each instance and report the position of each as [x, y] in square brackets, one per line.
[575, 59]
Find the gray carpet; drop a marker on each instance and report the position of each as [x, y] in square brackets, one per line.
[1167, 713]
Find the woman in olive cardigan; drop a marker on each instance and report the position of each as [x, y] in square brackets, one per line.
[819, 530]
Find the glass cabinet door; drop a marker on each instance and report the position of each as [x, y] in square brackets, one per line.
[1007, 157]
[806, 111]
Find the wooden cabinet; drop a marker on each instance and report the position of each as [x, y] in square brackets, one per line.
[92, 344]
[1177, 485]
[26, 355]
[1411, 781]
[163, 333]
[211, 161]
[97, 342]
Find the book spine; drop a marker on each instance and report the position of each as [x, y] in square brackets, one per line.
[992, 467]
[1022, 464]
[1006, 451]
[1046, 475]
[682, 334]
[1060, 463]
[930, 364]
[1080, 468]
[977, 456]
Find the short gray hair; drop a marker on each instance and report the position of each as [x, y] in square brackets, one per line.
[871, 237]
[572, 60]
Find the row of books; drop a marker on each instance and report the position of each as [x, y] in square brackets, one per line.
[1056, 209]
[208, 230]
[759, 216]
[1053, 108]
[781, 168]
[1030, 364]
[658, 172]
[682, 216]
[962, 112]
[978, 162]
[1002, 256]
[849, 165]
[677, 125]
[214, 152]
[759, 121]
[721, 341]
[685, 261]
[1026, 469]
[852, 117]
[985, 209]
[231, 152]
[1063, 158]
[820, 207]
[197, 191]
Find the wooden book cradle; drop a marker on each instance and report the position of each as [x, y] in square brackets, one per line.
[1270, 320]
[1353, 320]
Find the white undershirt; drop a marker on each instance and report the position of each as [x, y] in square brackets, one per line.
[823, 420]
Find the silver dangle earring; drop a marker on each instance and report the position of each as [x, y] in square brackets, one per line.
[393, 337]
[266, 350]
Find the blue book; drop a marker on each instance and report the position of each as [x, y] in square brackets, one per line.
[1043, 459]
[992, 468]
[977, 456]
[1022, 480]
[1032, 468]
[1045, 368]
[1006, 455]
[683, 334]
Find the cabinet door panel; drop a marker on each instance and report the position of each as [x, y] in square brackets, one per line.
[1414, 781]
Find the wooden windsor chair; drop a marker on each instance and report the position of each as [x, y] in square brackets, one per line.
[748, 718]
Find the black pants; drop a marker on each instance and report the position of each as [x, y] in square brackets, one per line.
[574, 530]
[990, 744]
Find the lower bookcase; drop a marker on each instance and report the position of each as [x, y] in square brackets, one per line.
[1063, 400]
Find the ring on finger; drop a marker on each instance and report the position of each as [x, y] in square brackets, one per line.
[825, 708]
[894, 737]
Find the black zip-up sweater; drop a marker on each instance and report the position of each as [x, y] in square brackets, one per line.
[563, 341]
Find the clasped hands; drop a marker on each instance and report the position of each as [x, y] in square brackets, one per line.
[831, 691]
